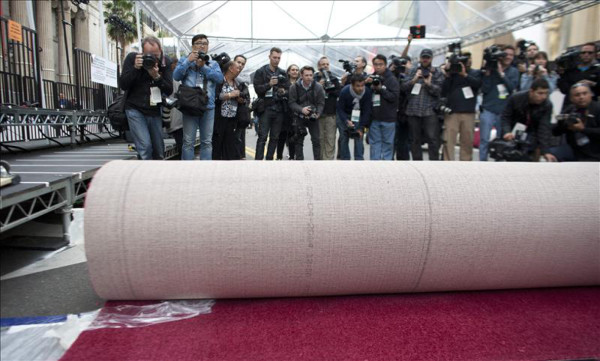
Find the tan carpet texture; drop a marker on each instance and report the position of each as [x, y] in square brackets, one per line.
[176, 230]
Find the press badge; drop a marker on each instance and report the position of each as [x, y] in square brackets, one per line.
[355, 118]
[581, 139]
[269, 93]
[502, 92]
[467, 92]
[155, 96]
[416, 90]
[376, 100]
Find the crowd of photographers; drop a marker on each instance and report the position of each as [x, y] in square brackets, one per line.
[402, 105]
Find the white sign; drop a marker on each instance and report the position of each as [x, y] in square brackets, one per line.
[104, 71]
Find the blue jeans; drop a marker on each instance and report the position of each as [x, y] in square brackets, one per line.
[359, 148]
[146, 131]
[190, 125]
[381, 138]
[487, 120]
[563, 153]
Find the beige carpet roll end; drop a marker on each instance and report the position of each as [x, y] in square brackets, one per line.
[177, 230]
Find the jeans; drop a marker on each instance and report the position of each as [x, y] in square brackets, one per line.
[344, 143]
[381, 138]
[146, 131]
[430, 126]
[190, 125]
[563, 153]
[487, 120]
[313, 129]
[269, 126]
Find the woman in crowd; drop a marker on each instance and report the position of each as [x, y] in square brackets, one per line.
[227, 100]
[293, 73]
[539, 70]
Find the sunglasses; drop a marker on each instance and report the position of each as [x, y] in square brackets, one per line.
[587, 52]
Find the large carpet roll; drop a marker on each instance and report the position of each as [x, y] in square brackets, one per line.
[176, 230]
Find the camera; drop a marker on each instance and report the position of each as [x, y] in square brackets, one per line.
[456, 58]
[149, 61]
[299, 131]
[324, 74]
[221, 59]
[568, 119]
[352, 133]
[523, 45]
[424, 71]
[204, 56]
[509, 150]
[442, 108]
[312, 115]
[400, 64]
[376, 79]
[170, 103]
[492, 55]
[569, 59]
[349, 66]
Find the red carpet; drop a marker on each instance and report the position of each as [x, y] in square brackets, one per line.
[539, 324]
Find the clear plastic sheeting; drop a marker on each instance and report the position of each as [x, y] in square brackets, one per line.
[49, 341]
[128, 316]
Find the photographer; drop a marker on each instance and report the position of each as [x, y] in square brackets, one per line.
[146, 77]
[424, 84]
[532, 110]
[271, 86]
[327, 123]
[499, 80]
[243, 114]
[527, 50]
[583, 69]
[460, 88]
[360, 63]
[580, 122]
[386, 92]
[195, 70]
[539, 70]
[354, 108]
[307, 100]
[400, 66]
[287, 132]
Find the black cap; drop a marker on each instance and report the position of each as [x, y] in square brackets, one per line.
[427, 52]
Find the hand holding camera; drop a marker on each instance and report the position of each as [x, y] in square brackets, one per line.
[193, 56]
[234, 94]
[274, 80]
[138, 61]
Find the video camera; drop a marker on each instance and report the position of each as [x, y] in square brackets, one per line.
[324, 74]
[568, 119]
[348, 65]
[492, 55]
[569, 59]
[523, 45]
[456, 58]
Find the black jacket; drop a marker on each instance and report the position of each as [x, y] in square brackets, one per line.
[573, 76]
[300, 97]
[262, 77]
[331, 95]
[388, 110]
[138, 83]
[452, 90]
[590, 151]
[535, 117]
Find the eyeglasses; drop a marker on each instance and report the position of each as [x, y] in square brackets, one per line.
[587, 52]
[201, 43]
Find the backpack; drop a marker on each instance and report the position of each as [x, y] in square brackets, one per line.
[116, 113]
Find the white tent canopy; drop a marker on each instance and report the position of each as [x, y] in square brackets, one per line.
[306, 30]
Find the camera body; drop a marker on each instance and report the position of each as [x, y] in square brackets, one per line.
[424, 71]
[523, 45]
[149, 61]
[170, 103]
[568, 60]
[509, 150]
[352, 133]
[456, 58]
[442, 107]
[492, 55]
[348, 65]
[312, 115]
[376, 79]
[324, 74]
[399, 63]
[568, 119]
[221, 59]
[204, 56]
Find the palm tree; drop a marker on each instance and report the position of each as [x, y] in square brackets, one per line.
[120, 17]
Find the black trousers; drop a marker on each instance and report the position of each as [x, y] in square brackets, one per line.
[429, 126]
[269, 126]
[313, 129]
[224, 144]
[402, 140]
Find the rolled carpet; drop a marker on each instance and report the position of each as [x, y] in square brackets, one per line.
[175, 230]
